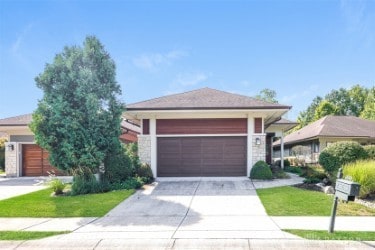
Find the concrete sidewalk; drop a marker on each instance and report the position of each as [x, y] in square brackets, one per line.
[343, 223]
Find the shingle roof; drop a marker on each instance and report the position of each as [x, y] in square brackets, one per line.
[21, 120]
[205, 98]
[333, 126]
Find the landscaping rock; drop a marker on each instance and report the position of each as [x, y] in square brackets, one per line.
[329, 190]
[326, 182]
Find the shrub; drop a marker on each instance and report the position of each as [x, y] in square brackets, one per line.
[145, 173]
[362, 172]
[261, 171]
[294, 170]
[286, 163]
[370, 150]
[57, 186]
[118, 166]
[337, 154]
[2, 154]
[85, 183]
[311, 180]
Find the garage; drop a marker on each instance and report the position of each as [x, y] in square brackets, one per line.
[35, 161]
[202, 156]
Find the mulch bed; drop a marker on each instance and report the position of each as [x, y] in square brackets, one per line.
[308, 186]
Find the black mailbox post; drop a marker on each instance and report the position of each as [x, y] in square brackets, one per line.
[346, 191]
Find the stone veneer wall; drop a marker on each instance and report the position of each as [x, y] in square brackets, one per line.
[11, 161]
[144, 148]
[259, 151]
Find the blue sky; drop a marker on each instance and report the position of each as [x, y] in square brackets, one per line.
[300, 49]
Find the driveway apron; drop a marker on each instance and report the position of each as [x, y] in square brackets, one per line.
[186, 209]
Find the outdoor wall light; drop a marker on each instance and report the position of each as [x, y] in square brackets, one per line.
[10, 147]
[257, 141]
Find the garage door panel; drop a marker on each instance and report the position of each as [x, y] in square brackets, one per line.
[202, 156]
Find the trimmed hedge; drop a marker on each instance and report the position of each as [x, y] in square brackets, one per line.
[261, 171]
[338, 154]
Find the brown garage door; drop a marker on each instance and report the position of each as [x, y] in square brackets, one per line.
[201, 156]
[35, 161]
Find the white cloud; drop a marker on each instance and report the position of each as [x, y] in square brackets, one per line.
[299, 95]
[151, 62]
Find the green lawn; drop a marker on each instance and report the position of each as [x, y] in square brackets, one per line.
[41, 204]
[337, 235]
[27, 235]
[292, 201]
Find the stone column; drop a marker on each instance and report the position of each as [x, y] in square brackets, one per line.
[11, 160]
[259, 151]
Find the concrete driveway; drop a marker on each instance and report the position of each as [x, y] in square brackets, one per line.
[186, 209]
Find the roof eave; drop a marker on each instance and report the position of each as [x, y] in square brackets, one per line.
[210, 108]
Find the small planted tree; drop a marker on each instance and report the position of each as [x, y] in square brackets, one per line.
[78, 118]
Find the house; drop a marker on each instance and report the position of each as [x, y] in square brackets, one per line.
[205, 132]
[329, 129]
[24, 158]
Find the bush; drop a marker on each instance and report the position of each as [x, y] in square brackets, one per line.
[311, 180]
[337, 154]
[362, 172]
[85, 184]
[131, 183]
[370, 150]
[57, 186]
[294, 170]
[261, 171]
[286, 163]
[145, 173]
[118, 166]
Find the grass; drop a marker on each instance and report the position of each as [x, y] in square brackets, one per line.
[41, 204]
[292, 201]
[337, 235]
[27, 235]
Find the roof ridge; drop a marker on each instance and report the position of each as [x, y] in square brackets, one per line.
[175, 94]
[17, 116]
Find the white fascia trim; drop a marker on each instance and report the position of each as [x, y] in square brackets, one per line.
[200, 135]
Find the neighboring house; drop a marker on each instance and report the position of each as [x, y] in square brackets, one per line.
[24, 158]
[329, 129]
[205, 132]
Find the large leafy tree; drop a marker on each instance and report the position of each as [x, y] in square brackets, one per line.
[78, 119]
[325, 108]
[369, 106]
[267, 95]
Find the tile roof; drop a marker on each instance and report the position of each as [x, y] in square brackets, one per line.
[21, 120]
[205, 98]
[333, 126]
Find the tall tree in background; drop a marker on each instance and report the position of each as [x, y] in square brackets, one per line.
[325, 108]
[369, 106]
[78, 119]
[308, 116]
[267, 95]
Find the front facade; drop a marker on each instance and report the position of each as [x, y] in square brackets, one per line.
[316, 136]
[205, 132]
[24, 158]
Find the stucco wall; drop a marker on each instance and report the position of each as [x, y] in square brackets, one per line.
[11, 161]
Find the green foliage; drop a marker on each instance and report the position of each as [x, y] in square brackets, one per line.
[286, 163]
[28, 235]
[40, 204]
[261, 171]
[131, 150]
[78, 118]
[311, 180]
[131, 183]
[356, 101]
[85, 184]
[267, 95]
[370, 150]
[57, 186]
[337, 154]
[145, 173]
[294, 170]
[118, 166]
[362, 172]
[369, 106]
[325, 108]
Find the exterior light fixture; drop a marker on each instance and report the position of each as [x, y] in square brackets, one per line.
[10, 147]
[257, 141]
